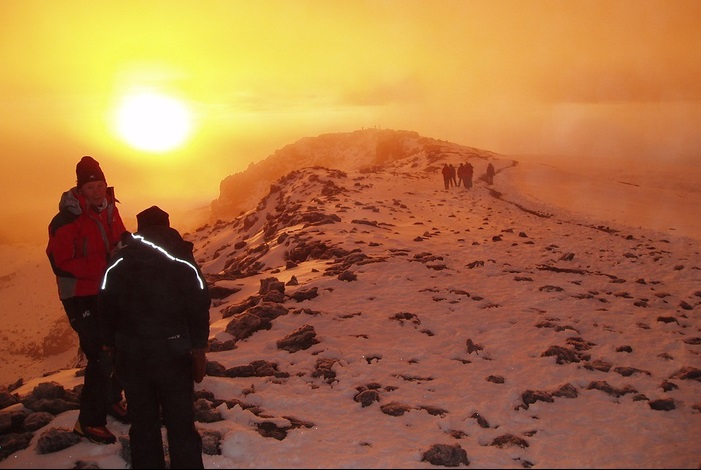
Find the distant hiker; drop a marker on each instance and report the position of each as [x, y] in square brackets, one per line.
[155, 306]
[461, 173]
[489, 176]
[453, 181]
[81, 236]
[446, 175]
[468, 172]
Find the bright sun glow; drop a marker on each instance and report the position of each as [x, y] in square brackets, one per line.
[153, 122]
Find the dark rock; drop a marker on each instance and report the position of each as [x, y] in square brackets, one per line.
[303, 337]
[614, 392]
[531, 396]
[446, 455]
[566, 391]
[269, 429]
[668, 386]
[56, 439]
[7, 399]
[216, 346]
[472, 347]
[211, 442]
[395, 409]
[401, 317]
[271, 284]
[240, 307]
[264, 368]
[13, 442]
[662, 404]
[215, 369]
[246, 370]
[258, 317]
[483, 423]
[433, 410]
[579, 344]
[628, 371]
[13, 421]
[274, 296]
[367, 397]
[35, 421]
[86, 464]
[305, 294]
[687, 373]
[509, 440]
[562, 354]
[324, 368]
[219, 292]
[205, 413]
[600, 365]
[347, 276]
[667, 319]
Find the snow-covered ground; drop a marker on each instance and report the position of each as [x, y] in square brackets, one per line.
[462, 301]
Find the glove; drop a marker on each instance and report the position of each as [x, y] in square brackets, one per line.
[199, 364]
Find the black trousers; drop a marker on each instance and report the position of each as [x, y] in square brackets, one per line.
[100, 387]
[158, 383]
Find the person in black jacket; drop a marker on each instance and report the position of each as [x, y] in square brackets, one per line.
[489, 175]
[155, 307]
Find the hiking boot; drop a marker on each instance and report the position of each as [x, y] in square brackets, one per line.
[119, 412]
[96, 434]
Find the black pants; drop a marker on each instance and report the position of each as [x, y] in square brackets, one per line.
[100, 387]
[157, 381]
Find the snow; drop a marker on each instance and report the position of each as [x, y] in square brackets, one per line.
[546, 257]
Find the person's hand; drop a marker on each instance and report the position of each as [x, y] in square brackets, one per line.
[123, 239]
[199, 364]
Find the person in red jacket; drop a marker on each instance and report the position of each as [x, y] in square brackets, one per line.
[82, 236]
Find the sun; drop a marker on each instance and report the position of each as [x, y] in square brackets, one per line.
[153, 122]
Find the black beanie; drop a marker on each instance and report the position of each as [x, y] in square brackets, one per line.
[88, 170]
[151, 216]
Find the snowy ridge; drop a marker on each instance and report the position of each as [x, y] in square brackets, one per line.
[346, 151]
[369, 318]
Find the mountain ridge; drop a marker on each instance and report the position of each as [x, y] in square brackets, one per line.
[346, 151]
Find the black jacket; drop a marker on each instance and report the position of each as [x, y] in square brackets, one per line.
[153, 293]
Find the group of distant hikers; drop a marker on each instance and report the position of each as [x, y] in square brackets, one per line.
[464, 174]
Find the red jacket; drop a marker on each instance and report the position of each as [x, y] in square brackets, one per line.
[80, 242]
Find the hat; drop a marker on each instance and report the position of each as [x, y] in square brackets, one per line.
[87, 170]
[151, 216]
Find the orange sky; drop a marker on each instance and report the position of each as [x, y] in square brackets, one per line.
[602, 79]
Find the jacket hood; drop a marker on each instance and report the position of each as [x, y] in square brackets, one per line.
[166, 238]
[72, 202]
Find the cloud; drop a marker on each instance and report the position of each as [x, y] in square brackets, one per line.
[619, 84]
[405, 90]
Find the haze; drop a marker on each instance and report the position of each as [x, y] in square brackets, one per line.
[610, 82]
